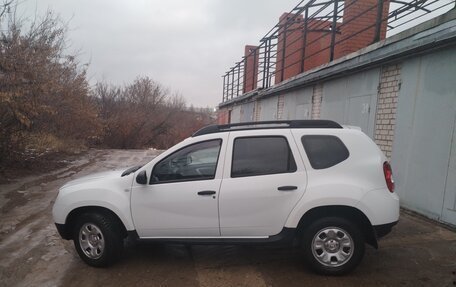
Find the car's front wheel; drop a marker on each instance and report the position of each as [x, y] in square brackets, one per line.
[333, 245]
[97, 238]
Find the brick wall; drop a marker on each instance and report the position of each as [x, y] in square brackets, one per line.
[280, 104]
[318, 42]
[223, 116]
[316, 51]
[292, 38]
[317, 96]
[356, 31]
[250, 68]
[358, 15]
[256, 111]
[390, 81]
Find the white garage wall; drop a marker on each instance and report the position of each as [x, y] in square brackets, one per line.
[424, 145]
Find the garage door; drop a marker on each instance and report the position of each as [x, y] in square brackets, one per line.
[359, 113]
[449, 202]
[424, 147]
[352, 100]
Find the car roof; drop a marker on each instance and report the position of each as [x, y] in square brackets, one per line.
[292, 124]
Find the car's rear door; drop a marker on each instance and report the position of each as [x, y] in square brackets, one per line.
[264, 178]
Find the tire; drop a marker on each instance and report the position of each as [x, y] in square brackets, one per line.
[98, 239]
[333, 246]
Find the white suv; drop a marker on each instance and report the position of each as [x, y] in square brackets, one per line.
[312, 183]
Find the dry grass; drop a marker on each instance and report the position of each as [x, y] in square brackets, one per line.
[43, 143]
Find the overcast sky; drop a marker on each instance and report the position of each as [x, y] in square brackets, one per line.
[184, 44]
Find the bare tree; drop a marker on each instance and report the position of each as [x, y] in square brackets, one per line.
[145, 114]
[42, 89]
[5, 7]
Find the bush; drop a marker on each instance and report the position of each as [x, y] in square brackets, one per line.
[42, 90]
[144, 114]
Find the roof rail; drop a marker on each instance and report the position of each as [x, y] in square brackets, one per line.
[294, 124]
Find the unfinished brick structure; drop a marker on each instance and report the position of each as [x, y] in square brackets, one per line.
[359, 24]
[356, 31]
[250, 68]
[290, 36]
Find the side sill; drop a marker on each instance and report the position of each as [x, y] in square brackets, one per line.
[285, 237]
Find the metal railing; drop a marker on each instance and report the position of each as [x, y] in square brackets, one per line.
[288, 44]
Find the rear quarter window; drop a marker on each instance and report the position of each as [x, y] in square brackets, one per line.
[324, 151]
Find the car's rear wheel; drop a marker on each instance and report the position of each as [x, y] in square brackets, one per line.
[333, 246]
[97, 238]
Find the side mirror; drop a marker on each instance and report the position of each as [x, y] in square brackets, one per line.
[141, 178]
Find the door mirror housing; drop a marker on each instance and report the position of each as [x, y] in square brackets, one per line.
[141, 178]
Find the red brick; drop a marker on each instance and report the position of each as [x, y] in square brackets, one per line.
[250, 68]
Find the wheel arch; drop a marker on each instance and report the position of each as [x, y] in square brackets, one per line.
[66, 230]
[348, 212]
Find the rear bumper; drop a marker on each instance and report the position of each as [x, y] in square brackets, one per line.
[383, 229]
[380, 206]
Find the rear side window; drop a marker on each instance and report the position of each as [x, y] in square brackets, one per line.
[324, 151]
[261, 156]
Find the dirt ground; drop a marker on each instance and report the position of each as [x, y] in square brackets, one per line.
[418, 252]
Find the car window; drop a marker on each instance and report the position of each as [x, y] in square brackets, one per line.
[324, 151]
[195, 162]
[261, 156]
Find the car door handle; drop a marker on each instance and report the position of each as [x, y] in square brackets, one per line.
[206, 192]
[287, 188]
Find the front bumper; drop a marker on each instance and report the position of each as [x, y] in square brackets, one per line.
[61, 228]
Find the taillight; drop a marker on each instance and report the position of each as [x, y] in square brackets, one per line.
[388, 176]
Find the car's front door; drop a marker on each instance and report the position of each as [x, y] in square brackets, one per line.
[181, 198]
